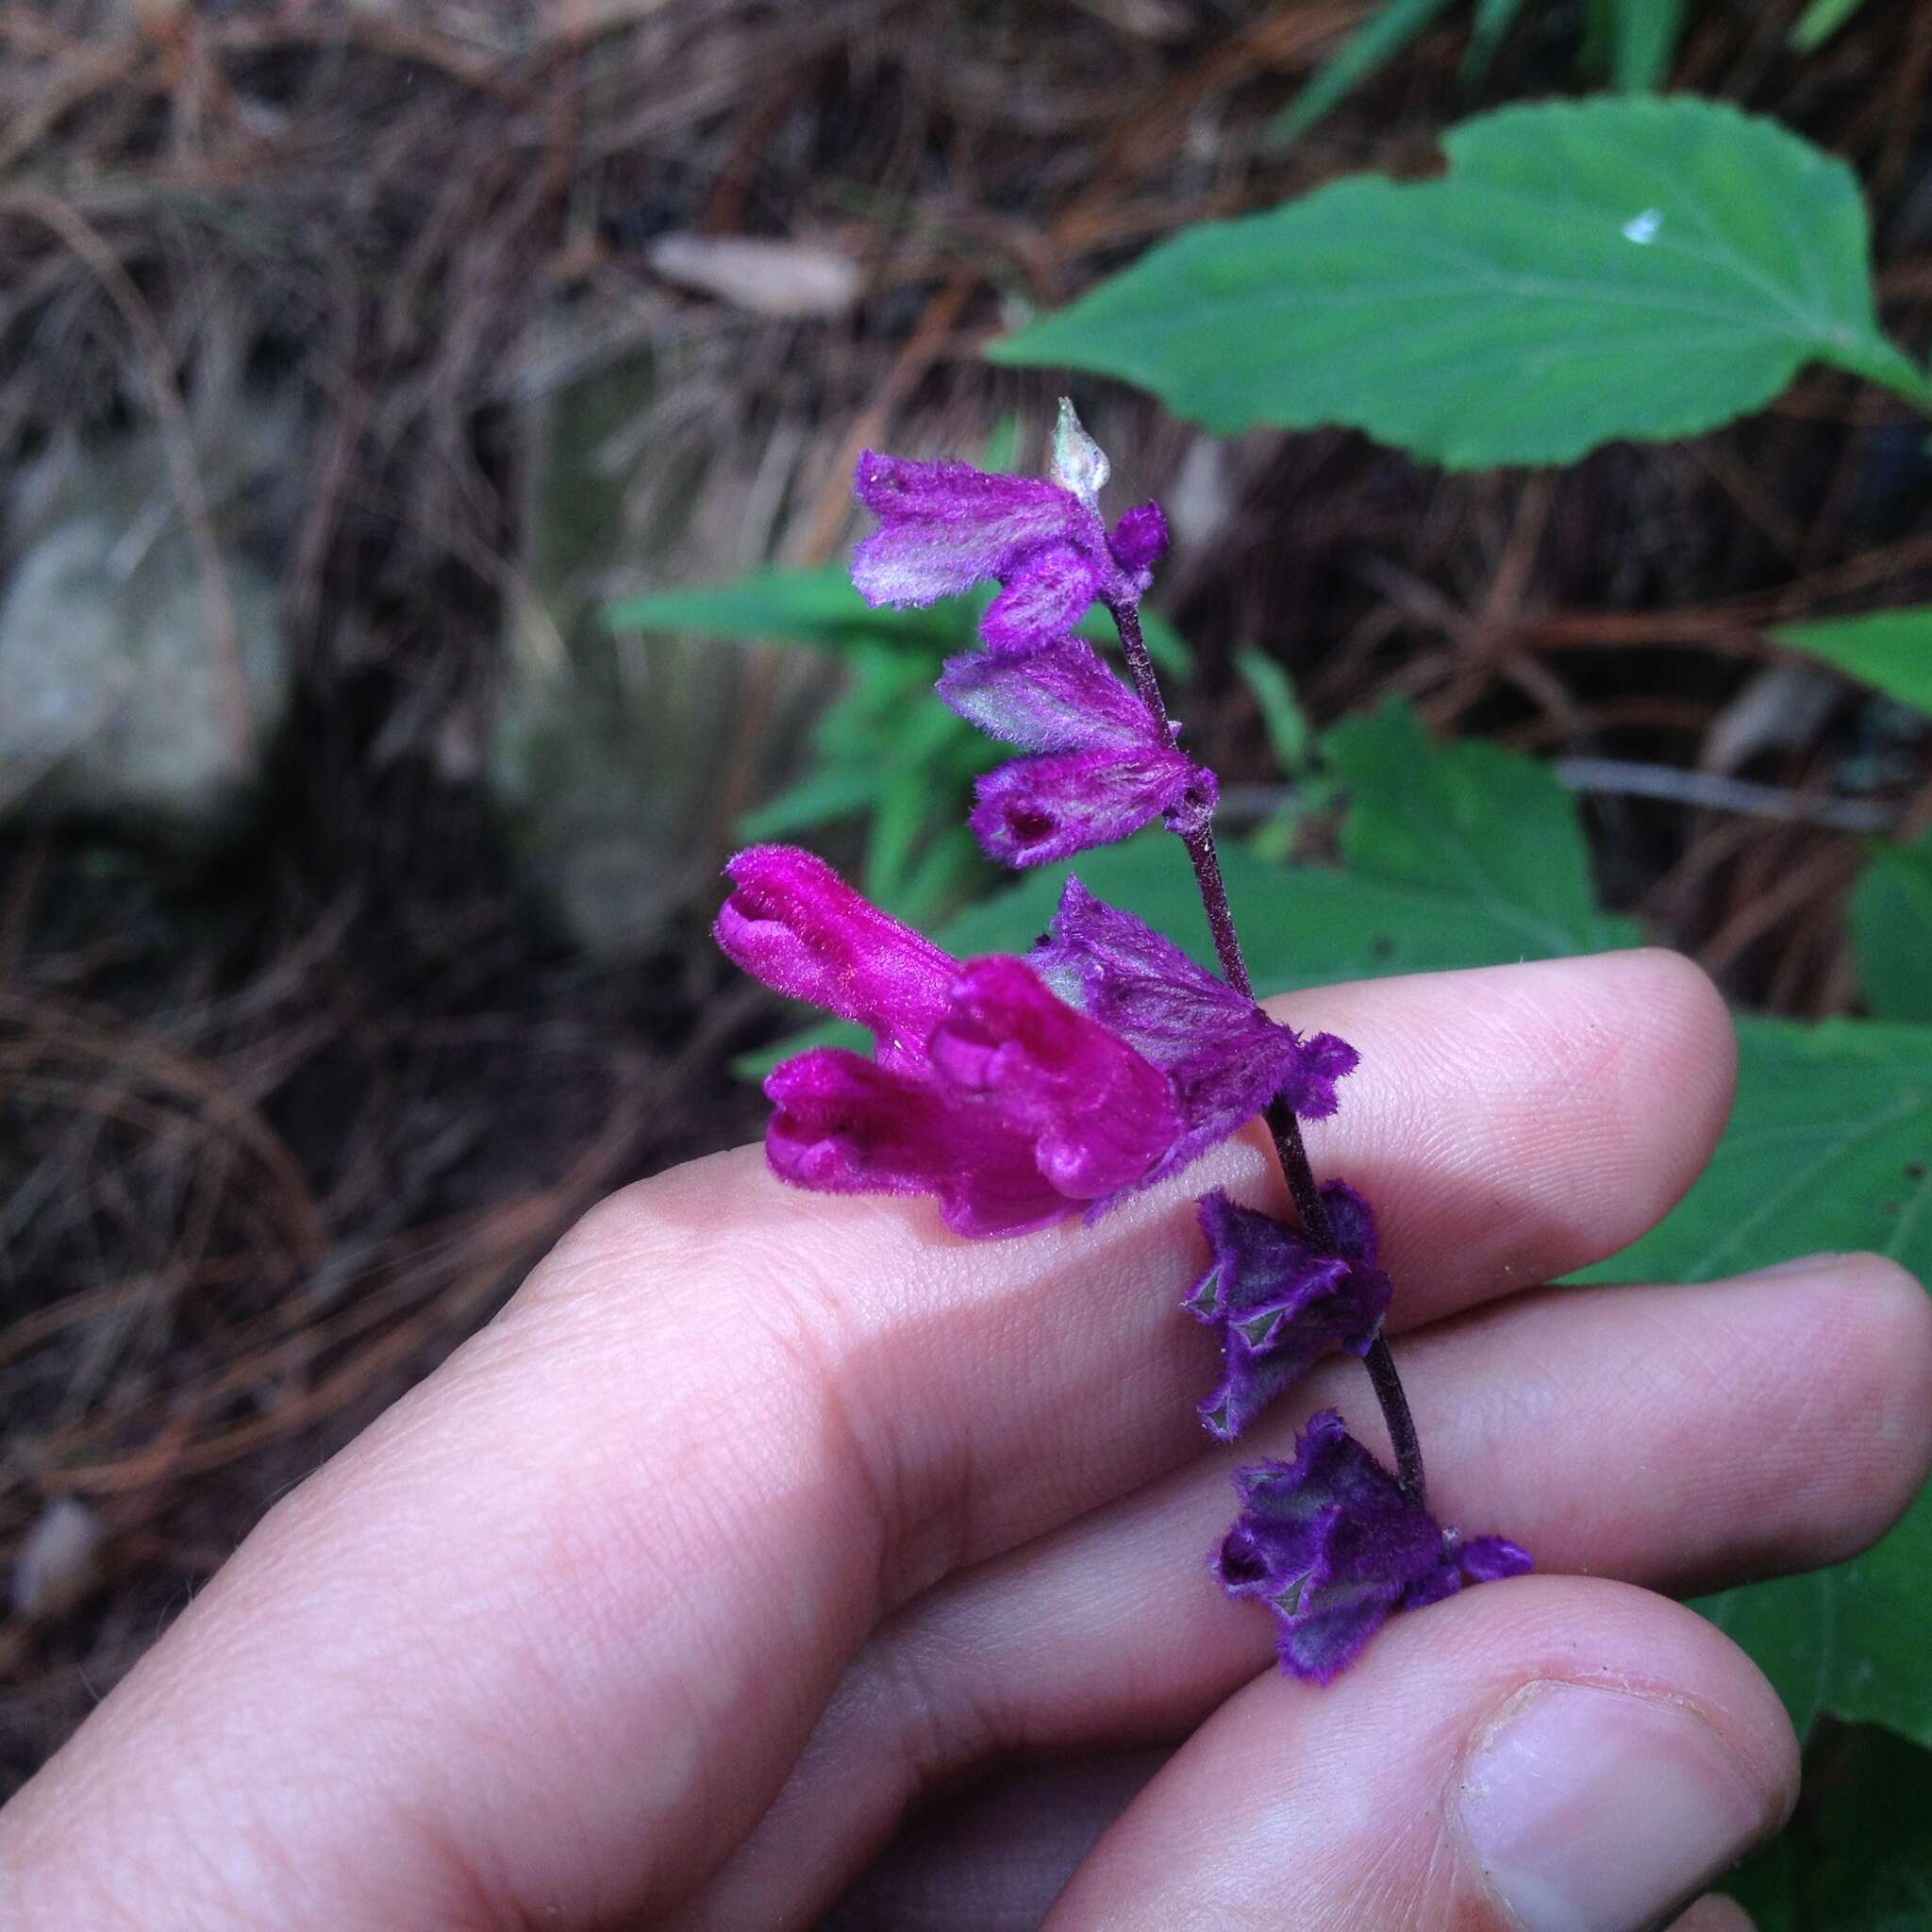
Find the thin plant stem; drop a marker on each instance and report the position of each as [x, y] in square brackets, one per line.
[1283, 1127]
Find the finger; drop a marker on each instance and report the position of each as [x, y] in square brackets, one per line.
[995, 1858]
[1714, 1913]
[634, 1531]
[1613, 1430]
[1547, 1755]
[1506, 1125]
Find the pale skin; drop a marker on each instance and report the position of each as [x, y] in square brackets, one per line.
[758, 1516]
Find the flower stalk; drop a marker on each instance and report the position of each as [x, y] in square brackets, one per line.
[1283, 1127]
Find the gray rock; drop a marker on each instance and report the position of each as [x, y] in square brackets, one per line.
[114, 703]
[58, 1561]
[621, 761]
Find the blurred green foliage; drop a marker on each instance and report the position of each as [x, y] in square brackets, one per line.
[1628, 43]
[885, 757]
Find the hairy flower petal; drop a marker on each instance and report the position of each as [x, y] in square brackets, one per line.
[844, 1125]
[989, 1091]
[1061, 697]
[1278, 1304]
[1226, 1058]
[1099, 1115]
[794, 922]
[1036, 810]
[946, 526]
[1351, 1220]
[1046, 594]
[1332, 1546]
[1016, 1090]
[1324, 1061]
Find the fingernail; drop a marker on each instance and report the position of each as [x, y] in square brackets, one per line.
[1597, 1811]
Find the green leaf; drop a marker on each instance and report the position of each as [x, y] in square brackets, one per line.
[1378, 40]
[1585, 271]
[1857, 1856]
[1891, 932]
[1642, 39]
[1889, 649]
[779, 607]
[1290, 736]
[1818, 22]
[834, 791]
[1490, 827]
[822, 608]
[947, 871]
[1494, 18]
[1863, 1843]
[1828, 1149]
[1457, 855]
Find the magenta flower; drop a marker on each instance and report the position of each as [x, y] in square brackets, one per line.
[946, 526]
[1330, 1545]
[1226, 1058]
[985, 1090]
[1106, 767]
[1278, 1304]
[1001, 1086]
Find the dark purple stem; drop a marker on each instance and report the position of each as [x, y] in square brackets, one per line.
[1282, 1125]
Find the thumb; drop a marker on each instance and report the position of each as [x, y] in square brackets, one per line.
[1548, 1754]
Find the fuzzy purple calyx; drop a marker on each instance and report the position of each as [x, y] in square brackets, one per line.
[1332, 1546]
[1105, 770]
[1277, 1304]
[946, 526]
[1003, 1094]
[1226, 1058]
[1139, 540]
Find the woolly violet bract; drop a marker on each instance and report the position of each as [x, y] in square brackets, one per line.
[1018, 1090]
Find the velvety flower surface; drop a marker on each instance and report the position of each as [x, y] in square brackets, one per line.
[1227, 1058]
[1278, 1304]
[1009, 1097]
[946, 526]
[1021, 1113]
[1332, 1546]
[1106, 769]
[794, 922]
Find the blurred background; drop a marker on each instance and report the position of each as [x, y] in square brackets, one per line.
[385, 391]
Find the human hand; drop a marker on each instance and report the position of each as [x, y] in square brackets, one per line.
[760, 1515]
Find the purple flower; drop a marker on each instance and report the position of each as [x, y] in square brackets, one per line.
[1107, 769]
[1331, 1545]
[946, 526]
[1226, 1058]
[794, 922]
[1012, 1101]
[1278, 1304]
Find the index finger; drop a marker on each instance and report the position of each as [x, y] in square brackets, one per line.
[568, 1611]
